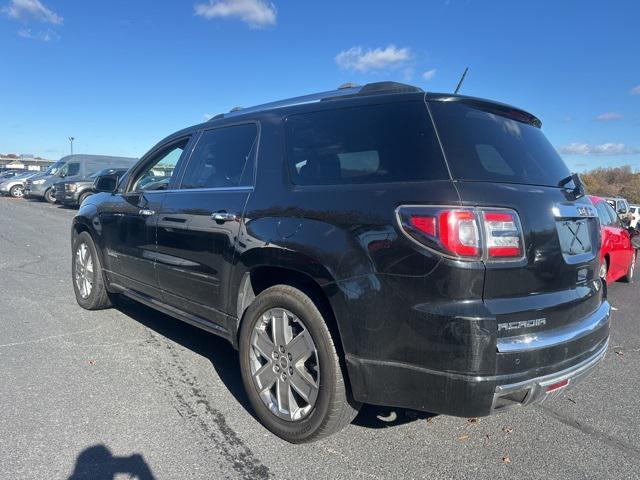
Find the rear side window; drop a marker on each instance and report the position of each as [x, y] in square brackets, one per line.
[392, 142]
[222, 158]
[486, 146]
[603, 214]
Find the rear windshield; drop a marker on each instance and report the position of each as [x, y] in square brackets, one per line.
[485, 146]
[392, 142]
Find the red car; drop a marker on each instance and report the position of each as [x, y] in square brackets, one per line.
[617, 254]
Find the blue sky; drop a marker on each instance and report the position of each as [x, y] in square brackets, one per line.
[121, 75]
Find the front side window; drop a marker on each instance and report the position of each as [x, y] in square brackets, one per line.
[158, 174]
[223, 158]
[392, 142]
[69, 169]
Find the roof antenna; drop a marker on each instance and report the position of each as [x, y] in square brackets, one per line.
[464, 74]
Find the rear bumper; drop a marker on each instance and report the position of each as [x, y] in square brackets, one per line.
[537, 390]
[524, 369]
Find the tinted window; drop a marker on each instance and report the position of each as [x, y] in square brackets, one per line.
[603, 215]
[615, 220]
[486, 146]
[222, 158]
[376, 143]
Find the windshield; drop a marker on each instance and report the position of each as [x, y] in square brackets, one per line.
[486, 146]
[53, 169]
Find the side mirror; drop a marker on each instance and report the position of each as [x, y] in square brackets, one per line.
[106, 183]
[622, 211]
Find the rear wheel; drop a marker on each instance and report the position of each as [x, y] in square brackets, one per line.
[87, 276]
[628, 278]
[49, 197]
[291, 369]
[17, 191]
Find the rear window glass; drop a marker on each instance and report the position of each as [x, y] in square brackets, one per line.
[371, 144]
[485, 146]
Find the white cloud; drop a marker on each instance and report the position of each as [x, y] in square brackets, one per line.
[32, 10]
[47, 35]
[602, 149]
[635, 90]
[255, 13]
[357, 59]
[429, 74]
[607, 116]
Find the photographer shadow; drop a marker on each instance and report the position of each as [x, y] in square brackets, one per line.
[98, 463]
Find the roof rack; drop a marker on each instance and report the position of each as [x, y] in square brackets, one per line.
[345, 90]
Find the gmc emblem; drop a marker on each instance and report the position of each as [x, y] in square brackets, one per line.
[537, 322]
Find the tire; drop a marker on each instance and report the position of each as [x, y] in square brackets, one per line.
[48, 196]
[83, 197]
[93, 294]
[628, 278]
[332, 407]
[17, 191]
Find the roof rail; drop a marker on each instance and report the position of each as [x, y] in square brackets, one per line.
[345, 90]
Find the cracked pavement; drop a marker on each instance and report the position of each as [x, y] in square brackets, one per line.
[132, 393]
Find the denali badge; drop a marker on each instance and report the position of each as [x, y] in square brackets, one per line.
[537, 322]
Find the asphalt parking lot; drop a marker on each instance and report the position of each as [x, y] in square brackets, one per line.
[131, 393]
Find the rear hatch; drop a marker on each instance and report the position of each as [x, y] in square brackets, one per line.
[498, 157]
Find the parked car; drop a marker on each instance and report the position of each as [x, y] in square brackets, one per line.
[14, 185]
[635, 215]
[621, 207]
[33, 186]
[73, 168]
[73, 193]
[10, 173]
[617, 253]
[353, 255]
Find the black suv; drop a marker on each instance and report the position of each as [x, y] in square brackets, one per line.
[373, 244]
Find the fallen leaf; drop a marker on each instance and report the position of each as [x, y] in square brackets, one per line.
[473, 420]
[620, 353]
[429, 419]
[506, 459]
[507, 429]
[571, 400]
[614, 309]
[92, 362]
[463, 437]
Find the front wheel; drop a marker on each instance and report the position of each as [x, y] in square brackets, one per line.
[291, 369]
[86, 273]
[49, 197]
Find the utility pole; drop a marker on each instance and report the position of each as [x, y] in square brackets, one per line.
[71, 139]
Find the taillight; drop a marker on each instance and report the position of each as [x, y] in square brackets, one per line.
[478, 233]
[503, 234]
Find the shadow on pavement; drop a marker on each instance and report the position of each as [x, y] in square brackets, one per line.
[224, 359]
[98, 463]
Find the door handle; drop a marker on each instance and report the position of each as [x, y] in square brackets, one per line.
[145, 212]
[224, 217]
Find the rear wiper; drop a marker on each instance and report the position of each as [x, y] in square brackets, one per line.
[578, 189]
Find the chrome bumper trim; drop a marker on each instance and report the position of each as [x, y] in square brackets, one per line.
[550, 338]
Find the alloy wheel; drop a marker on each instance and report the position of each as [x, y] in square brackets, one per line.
[284, 364]
[84, 276]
